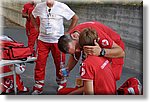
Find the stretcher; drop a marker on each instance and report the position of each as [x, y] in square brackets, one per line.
[13, 72]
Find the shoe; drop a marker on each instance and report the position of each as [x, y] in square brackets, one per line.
[37, 92]
[25, 89]
[130, 87]
[61, 86]
[38, 87]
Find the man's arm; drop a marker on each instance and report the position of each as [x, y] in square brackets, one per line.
[25, 15]
[25, 12]
[115, 52]
[33, 21]
[77, 92]
[88, 87]
[71, 63]
[73, 23]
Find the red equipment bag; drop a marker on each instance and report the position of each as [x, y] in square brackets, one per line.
[16, 53]
[12, 50]
[13, 43]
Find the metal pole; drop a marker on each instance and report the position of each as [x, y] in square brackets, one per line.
[14, 76]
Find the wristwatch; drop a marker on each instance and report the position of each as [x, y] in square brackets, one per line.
[102, 53]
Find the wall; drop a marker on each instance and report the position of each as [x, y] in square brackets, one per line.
[12, 11]
[126, 19]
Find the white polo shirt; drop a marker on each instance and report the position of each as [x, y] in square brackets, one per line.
[51, 24]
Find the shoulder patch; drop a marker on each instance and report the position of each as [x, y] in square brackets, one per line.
[82, 71]
[105, 42]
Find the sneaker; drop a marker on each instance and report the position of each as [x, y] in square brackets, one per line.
[38, 87]
[130, 87]
[25, 89]
[37, 92]
[62, 86]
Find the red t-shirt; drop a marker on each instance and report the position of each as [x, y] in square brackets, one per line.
[25, 10]
[99, 70]
[107, 36]
[37, 19]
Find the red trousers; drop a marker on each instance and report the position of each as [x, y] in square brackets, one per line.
[43, 52]
[32, 37]
[27, 28]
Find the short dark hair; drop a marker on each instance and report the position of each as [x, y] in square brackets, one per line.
[63, 43]
[87, 37]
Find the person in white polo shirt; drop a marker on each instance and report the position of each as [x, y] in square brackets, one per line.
[51, 14]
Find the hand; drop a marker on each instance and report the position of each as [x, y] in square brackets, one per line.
[65, 71]
[60, 73]
[92, 50]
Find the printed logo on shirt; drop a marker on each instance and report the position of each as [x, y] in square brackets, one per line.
[104, 64]
[52, 16]
[82, 69]
[105, 42]
[82, 64]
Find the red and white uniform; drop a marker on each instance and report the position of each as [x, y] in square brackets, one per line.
[33, 33]
[25, 10]
[107, 37]
[104, 82]
[51, 29]
[7, 82]
[132, 86]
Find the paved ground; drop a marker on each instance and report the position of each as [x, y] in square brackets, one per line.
[18, 33]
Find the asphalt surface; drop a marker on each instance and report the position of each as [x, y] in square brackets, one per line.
[18, 33]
